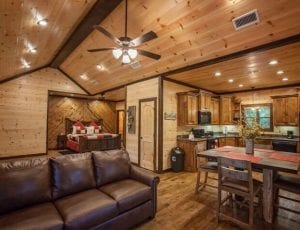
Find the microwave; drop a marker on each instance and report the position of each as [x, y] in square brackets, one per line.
[204, 117]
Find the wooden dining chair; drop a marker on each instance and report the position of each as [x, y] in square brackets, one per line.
[206, 166]
[289, 184]
[235, 178]
[261, 146]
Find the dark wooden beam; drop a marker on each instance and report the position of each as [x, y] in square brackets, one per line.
[75, 82]
[160, 123]
[100, 10]
[22, 74]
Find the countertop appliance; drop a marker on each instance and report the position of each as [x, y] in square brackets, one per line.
[204, 117]
[285, 146]
[198, 133]
[290, 134]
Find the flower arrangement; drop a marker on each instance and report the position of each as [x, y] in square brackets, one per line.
[249, 129]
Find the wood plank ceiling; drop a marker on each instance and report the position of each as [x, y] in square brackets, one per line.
[252, 70]
[188, 32]
[20, 31]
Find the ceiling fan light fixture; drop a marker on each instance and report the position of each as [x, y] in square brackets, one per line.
[132, 53]
[117, 53]
[125, 58]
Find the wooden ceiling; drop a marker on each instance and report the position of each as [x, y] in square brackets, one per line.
[252, 70]
[188, 32]
[20, 31]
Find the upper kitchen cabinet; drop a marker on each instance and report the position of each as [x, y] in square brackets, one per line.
[285, 110]
[187, 109]
[226, 110]
[215, 111]
[205, 101]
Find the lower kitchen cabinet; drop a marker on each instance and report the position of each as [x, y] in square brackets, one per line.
[190, 157]
[231, 141]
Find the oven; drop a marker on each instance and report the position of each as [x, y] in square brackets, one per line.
[285, 146]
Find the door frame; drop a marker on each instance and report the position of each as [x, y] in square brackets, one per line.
[124, 124]
[154, 99]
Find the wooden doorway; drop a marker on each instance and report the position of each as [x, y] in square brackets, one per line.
[147, 133]
[121, 124]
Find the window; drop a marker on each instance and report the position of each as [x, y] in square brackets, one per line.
[261, 113]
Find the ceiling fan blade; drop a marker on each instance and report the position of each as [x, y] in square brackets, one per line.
[108, 34]
[149, 54]
[100, 49]
[144, 38]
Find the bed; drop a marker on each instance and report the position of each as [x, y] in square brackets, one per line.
[86, 143]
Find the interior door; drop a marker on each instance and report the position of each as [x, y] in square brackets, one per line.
[120, 123]
[147, 133]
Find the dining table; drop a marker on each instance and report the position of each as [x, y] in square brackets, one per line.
[267, 161]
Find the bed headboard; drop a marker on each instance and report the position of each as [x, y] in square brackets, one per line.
[69, 124]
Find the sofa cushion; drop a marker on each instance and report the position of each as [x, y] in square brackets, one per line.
[72, 173]
[41, 216]
[86, 209]
[128, 193]
[24, 182]
[111, 166]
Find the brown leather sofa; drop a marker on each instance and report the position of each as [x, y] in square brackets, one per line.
[98, 190]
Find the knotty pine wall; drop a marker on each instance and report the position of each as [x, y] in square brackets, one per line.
[171, 130]
[78, 109]
[135, 92]
[23, 111]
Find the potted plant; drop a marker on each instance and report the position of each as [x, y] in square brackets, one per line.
[249, 130]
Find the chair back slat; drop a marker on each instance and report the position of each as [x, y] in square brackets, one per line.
[235, 174]
[226, 162]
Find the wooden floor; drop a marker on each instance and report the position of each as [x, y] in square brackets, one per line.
[180, 208]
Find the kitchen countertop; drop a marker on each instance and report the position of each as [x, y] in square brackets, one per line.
[186, 138]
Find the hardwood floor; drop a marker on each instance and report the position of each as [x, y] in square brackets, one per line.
[180, 208]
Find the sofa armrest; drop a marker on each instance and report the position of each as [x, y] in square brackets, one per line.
[143, 176]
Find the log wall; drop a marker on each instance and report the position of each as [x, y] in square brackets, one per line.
[23, 111]
[77, 109]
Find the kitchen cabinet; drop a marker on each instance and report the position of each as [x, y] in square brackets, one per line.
[187, 109]
[205, 101]
[285, 110]
[230, 141]
[215, 111]
[226, 110]
[190, 157]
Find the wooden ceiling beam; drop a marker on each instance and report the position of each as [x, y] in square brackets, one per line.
[100, 10]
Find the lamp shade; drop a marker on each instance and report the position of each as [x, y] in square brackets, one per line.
[117, 53]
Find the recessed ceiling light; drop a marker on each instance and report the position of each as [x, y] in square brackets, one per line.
[273, 62]
[25, 64]
[285, 79]
[218, 74]
[241, 85]
[99, 67]
[279, 72]
[33, 50]
[43, 22]
[230, 80]
[84, 77]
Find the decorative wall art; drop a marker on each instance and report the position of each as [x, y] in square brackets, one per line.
[131, 117]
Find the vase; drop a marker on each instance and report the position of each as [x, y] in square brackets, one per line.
[249, 146]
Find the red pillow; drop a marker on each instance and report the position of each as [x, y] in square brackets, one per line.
[80, 125]
[93, 123]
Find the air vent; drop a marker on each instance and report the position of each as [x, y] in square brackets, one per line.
[246, 20]
[135, 65]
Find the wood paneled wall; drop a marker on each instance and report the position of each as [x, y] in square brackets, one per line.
[23, 111]
[135, 92]
[120, 105]
[170, 126]
[78, 109]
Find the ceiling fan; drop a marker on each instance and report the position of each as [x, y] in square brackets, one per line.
[126, 47]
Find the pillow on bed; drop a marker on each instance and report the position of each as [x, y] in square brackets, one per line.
[89, 130]
[78, 128]
[97, 128]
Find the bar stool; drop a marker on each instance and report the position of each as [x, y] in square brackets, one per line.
[238, 182]
[289, 184]
[208, 166]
